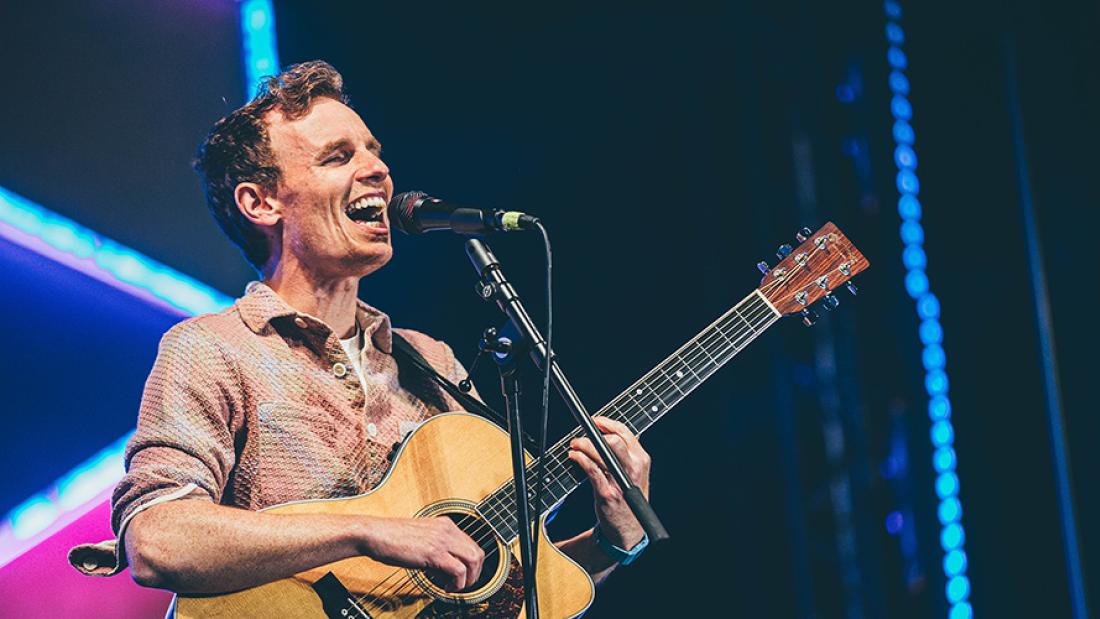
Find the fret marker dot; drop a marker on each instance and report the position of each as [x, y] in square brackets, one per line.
[679, 374]
[639, 391]
[654, 409]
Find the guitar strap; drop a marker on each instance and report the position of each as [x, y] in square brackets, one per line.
[408, 358]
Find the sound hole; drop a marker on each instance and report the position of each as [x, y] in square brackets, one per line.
[483, 535]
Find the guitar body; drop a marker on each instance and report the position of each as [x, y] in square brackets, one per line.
[448, 465]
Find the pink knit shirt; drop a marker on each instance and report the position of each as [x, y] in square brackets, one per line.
[260, 405]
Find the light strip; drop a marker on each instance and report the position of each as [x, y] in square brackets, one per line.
[67, 242]
[260, 54]
[62, 240]
[933, 357]
[69, 498]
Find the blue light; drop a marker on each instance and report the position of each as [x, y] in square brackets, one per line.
[261, 54]
[942, 433]
[947, 485]
[961, 610]
[893, 9]
[911, 232]
[896, 58]
[32, 517]
[950, 510]
[934, 358]
[944, 459]
[939, 408]
[903, 132]
[901, 107]
[899, 84]
[905, 158]
[952, 536]
[958, 588]
[916, 283]
[907, 182]
[909, 207]
[894, 522]
[928, 307]
[913, 257]
[931, 332]
[894, 33]
[935, 382]
[954, 562]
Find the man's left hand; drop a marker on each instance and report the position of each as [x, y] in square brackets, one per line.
[616, 520]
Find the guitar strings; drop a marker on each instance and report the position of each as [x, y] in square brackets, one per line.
[714, 333]
[500, 508]
[663, 391]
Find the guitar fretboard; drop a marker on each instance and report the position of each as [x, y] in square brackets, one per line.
[640, 406]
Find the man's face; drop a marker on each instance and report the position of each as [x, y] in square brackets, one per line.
[333, 193]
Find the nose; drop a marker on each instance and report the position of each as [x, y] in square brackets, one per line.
[371, 169]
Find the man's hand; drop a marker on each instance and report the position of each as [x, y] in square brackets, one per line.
[616, 520]
[435, 545]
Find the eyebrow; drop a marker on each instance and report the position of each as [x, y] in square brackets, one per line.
[374, 146]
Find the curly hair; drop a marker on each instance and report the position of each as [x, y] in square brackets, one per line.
[238, 148]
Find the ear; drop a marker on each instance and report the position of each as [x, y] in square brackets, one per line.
[258, 205]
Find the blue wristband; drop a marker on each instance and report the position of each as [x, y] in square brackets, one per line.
[626, 557]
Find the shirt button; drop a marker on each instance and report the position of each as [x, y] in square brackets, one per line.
[340, 370]
[372, 429]
[301, 322]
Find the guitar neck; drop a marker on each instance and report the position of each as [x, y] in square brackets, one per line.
[641, 404]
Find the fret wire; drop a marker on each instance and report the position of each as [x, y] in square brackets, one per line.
[560, 446]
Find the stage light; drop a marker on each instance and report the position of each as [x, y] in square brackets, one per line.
[950, 510]
[944, 460]
[961, 610]
[947, 484]
[928, 307]
[954, 562]
[917, 285]
[907, 182]
[261, 55]
[903, 132]
[958, 587]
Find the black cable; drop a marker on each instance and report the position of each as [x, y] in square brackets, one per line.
[540, 481]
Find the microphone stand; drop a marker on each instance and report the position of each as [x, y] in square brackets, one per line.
[495, 287]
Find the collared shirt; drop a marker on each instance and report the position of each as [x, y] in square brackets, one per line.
[260, 405]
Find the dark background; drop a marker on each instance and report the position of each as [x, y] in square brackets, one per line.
[668, 147]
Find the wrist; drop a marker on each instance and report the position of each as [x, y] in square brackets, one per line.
[625, 556]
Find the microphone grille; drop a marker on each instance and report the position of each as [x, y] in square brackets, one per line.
[402, 207]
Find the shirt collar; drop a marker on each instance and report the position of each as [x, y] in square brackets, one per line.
[260, 305]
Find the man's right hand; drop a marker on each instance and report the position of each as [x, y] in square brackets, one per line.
[435, 545]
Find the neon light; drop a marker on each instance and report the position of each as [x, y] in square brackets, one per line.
[63, 240]
[933, 356]
[65, 501]
[67, 242]
[261, 55]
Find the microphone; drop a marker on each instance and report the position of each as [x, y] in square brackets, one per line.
[415, 212]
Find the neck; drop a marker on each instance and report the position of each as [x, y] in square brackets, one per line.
[332, 300]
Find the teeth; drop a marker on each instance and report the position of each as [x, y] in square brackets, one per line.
[372, 202]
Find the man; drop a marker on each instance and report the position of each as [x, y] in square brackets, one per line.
[292, 393]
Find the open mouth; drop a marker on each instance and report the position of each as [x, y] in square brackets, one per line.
[367, 211]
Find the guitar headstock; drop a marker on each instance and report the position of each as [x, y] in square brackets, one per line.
[824, 261]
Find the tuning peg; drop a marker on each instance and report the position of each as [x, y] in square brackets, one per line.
[784, 251]
[763, 266]
[803, 234]
[830, 302]
[851, 286]
[809, 317]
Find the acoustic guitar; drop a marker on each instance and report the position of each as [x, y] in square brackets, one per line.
[458, 465]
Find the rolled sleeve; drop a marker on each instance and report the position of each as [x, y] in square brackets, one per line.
[183, 446]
